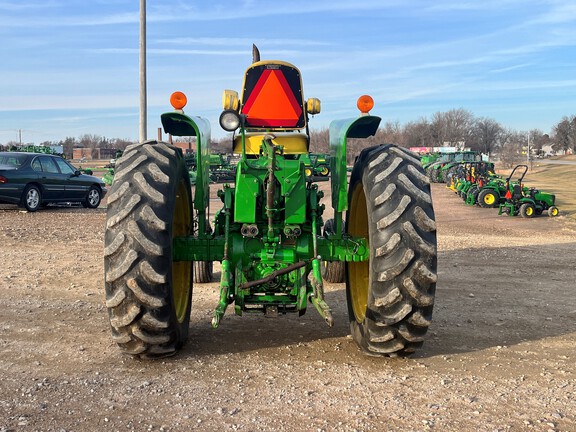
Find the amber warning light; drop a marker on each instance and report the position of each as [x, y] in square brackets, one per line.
[178, 100]
[365, 104]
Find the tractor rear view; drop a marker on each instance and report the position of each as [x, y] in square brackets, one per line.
[268, 232]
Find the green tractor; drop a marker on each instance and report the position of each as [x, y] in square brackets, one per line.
[267, 234]
[320, 167]
[442, 170]
[221, 168]
[483, 184]
[429, 158]
[524, 201]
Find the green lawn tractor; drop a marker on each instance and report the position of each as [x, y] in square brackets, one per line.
[320, 167]
[484, 189]
[491, 191]
[267, 233]
[87, 171]
[468, 179]
[524, 201]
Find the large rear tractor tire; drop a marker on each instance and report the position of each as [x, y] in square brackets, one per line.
[391, 296]
[203, 271]
[332, 271]
[148, 295]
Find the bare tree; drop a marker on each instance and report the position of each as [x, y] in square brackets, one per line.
[565, 134]
[320, 140]
[120, 144]
[418, 134]
[452, 127]
[537, 140]
[486, 135]
[391, 133]
[91, 142]
[512, 143]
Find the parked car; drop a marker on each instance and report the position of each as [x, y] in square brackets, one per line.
[31, 180]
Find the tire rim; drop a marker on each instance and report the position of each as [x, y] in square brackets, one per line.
[32, 198]
[181, 270]
[358, 272]
[324, 171]
[529, 211]
[554, 211]
[94, 197]
[489, 199]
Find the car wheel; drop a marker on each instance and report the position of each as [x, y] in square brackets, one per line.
[93, 198]
[32, 198]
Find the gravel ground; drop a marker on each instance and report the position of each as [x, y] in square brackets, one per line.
[500, 355]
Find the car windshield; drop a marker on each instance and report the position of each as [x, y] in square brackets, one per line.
[11, 160]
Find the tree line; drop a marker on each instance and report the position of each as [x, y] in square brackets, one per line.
[460, 128]
[91, 142]
[457, 127]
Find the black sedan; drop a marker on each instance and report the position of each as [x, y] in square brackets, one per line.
[31, 180]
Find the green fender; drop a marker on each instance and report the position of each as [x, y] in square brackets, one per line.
[340, 130]
[178, 124]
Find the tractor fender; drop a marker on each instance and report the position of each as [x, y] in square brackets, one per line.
[340, 130]
[179, 124]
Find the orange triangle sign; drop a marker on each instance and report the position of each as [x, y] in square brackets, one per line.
[272, 103]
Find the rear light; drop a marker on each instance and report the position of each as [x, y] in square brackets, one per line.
[365, 103]
[178, 100]
[3, 180]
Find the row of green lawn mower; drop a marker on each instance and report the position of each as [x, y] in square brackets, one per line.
[477, 184]
[439, 167]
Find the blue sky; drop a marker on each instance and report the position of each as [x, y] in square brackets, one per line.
[71, 67]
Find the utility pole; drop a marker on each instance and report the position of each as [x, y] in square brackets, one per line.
[143, 108]
[528, 158]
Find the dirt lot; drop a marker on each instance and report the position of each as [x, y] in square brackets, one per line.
[501, 352]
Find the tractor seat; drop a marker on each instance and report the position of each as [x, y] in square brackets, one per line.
[292, 142]
[516, 192]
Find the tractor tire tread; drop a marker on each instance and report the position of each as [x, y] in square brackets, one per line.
[332, 271]
[137, 253]
[403, 252]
